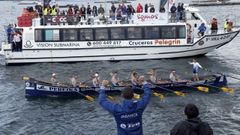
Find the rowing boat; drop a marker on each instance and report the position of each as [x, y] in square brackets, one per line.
[37, 88]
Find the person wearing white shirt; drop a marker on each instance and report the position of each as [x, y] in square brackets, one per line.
[195, 69]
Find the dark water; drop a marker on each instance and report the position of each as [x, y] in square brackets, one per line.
[19, 116]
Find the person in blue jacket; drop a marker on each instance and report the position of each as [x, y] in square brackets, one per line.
[128, 115]
[202, 28]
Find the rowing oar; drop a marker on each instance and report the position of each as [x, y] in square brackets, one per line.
[221, 74]
[161, 96]
[178, 93]
[89, 98]
[224, 89]
[199, 88]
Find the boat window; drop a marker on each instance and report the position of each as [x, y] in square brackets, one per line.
[86, 34]
[51, 35]
[168, 32]
[38, 35]
[151, 33]
[181, 32]
[101, 34]
[134, 33]
[117, 33]
[69, 34]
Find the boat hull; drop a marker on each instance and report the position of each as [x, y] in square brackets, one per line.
[34, 88]
[124, 51]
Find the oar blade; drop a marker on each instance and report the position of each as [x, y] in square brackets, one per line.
[110, 97]
[228, 90]
[161, 96]
[89, 98]
[203, 89]
[136, 96]
[178, 93]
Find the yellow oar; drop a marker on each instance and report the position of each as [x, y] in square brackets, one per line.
[178, 93]
[203, 89]
[161, 96]
[136, 96]
[227, 90]
[89, 98]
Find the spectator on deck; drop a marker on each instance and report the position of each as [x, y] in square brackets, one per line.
[173, 10]
[101, 10]
[193, 125]
[94, 11]
[70, 11]
[89, 11]
[214, 26]
[17, 46]
[113, 8]
[179, 10]
[162, 9]
[119, 12]
[83, 12]
[139, 8]
[146, 8]
[202, 28]
[229, 26]
[10, 33]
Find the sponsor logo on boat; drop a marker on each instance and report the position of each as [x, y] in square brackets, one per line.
[28, 44]
[140, 42]
[216, 38]
[167, 42]
[58, 45]
[147, 17]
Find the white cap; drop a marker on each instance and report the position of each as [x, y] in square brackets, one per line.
[96, 74]
[53, 74]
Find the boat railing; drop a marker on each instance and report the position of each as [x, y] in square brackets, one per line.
[106, 20]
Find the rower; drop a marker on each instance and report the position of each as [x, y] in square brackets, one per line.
[196, 66]
[134, 79]
[173, 76]
[96, 80]
[152, 76]
[114, 79]
[74, 81]
[54, 80]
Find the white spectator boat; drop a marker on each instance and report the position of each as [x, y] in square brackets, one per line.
[64, 38]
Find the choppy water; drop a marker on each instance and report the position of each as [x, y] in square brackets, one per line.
[19, 116]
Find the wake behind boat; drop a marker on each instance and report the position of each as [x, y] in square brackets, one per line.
[122, 34]
[36, 88]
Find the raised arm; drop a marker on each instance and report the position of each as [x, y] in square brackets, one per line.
[107, 105]
[146, 97]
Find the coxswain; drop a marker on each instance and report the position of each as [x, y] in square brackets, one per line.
[54, 80]
[173, 76]
[114, 79]
[196, 66]
[128, 115]
[96, 80]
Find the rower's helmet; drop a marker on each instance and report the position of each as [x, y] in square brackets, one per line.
[191, 111]
[127, 93]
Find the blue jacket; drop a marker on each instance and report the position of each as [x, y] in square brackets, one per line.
[128, 115]
[202, 28]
